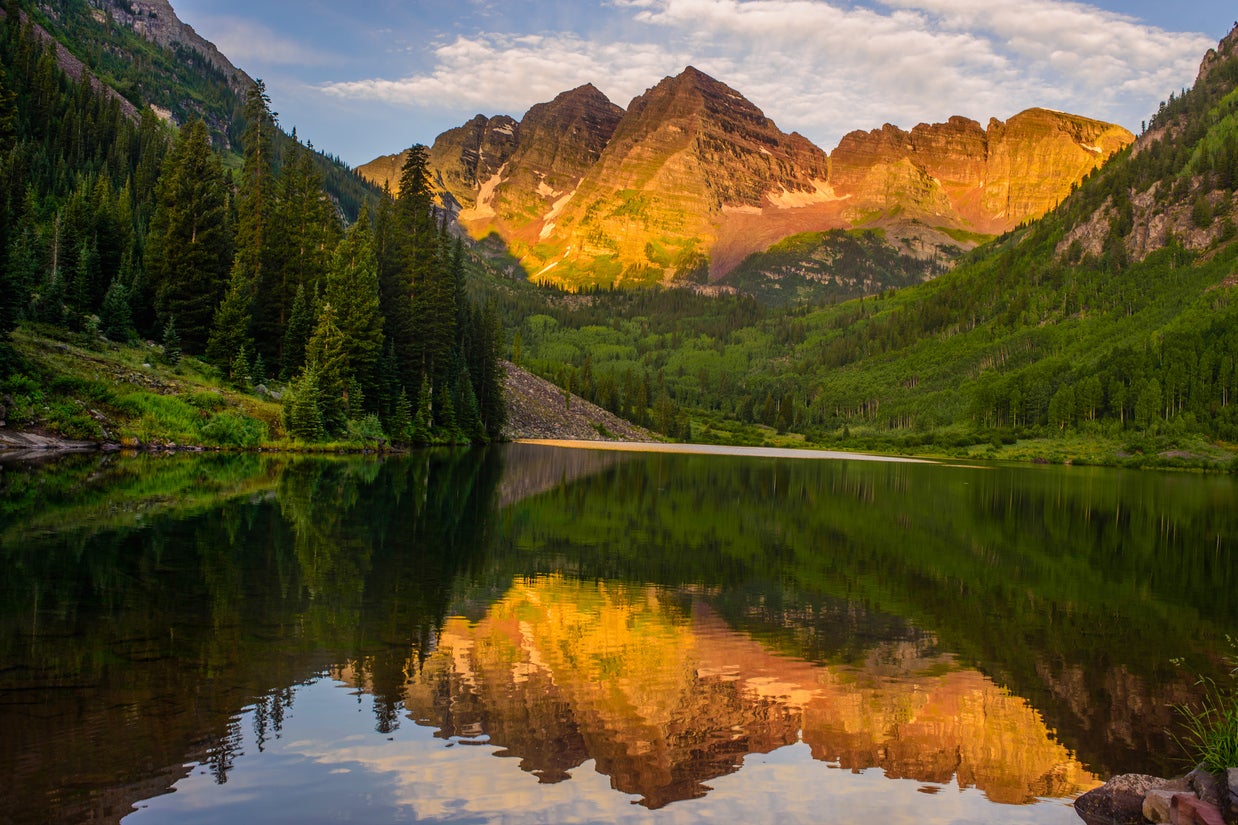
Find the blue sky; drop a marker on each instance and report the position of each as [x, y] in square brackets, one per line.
[371, 77]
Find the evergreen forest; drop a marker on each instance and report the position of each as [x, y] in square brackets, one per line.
[116, 228]
[316, 308]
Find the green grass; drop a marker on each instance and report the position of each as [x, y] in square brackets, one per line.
[1210, 725]
[79, 387]
[966, 236]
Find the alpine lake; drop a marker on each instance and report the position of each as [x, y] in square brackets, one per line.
[529, 633]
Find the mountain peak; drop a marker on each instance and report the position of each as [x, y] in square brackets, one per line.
[586, 95]
[693, 177]
[695, 78]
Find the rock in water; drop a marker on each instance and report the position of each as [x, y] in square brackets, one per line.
[1157, 805]
[1119, 801]
[1186, 809]
[1206, 786]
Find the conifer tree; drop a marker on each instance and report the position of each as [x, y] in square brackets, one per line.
[254, 264]
[327, 354]
[171, 342]
[189, 247]
[302, 416]
[259, 373]
[401, 420]
[389, 385]
[115, 316]
[240, 371]
[352, 289]
[434, 314]
[468, 418]
[420, 430]
[297, 334]
[406, 248]
[303, 231]
[487, 370]
[230, 330]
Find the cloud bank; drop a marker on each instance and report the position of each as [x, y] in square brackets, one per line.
[825, 67]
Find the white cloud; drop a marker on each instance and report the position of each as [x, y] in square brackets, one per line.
[508, 73]
[1091, 49]
[824, 67]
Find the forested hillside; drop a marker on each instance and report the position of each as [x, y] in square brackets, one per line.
[114, 230]
[181, 80]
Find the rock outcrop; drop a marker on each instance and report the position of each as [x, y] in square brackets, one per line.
[559, 143]
[1199, 798]
[693, 178]
[156, 20]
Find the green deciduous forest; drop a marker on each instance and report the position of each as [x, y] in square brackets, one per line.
[117, 228]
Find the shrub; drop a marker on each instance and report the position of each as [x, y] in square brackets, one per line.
[366, 429]
[230, 428]
[209, 401]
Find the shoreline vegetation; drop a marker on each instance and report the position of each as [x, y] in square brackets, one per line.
[84, 393]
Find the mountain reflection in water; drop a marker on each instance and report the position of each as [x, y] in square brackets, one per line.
[663, 696]
[696, 628]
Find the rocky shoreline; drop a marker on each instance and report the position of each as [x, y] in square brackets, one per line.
[1199, 798]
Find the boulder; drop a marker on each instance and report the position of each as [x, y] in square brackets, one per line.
[1206, 786]
[1185, 809]
[1119, 801]
[1157, 804]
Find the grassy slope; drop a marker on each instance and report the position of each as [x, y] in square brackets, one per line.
[96, 390]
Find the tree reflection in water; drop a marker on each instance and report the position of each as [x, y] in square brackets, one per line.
[660, 616]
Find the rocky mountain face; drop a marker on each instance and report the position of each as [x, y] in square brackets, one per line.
[560, 142]
[692, 179]
[961, 175]
[505, 176]
[1177, 186]
[156, 21]
[686, 154]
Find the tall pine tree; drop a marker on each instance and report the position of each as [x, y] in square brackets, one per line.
[352, 289]
[255, 206]
[189, 247]
[304, 230]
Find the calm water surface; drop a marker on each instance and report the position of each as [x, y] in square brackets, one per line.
[536, 634]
